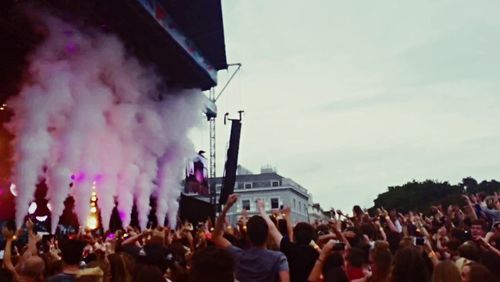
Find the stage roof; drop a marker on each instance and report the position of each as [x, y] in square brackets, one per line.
[185, 39]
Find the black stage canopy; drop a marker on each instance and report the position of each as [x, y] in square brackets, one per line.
[184, 39]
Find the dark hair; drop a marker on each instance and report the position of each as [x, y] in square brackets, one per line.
[491, 261]
[119, 269]
[149, 273]
[409, 266]
[303, 233]
[332, 269]
[479, 272]
[257, 230]
[212, 264]
[469, 250]
[356, 257]
[357, 210]
[382, 259]
[72, 251]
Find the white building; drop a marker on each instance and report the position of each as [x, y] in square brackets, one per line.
[275, 190]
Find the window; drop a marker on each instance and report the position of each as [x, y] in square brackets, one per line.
[305, 208]
[275, 204]
[246, 204]
[248, 185]
[239, 185]
[275, 183]
[300, 207]
[218, 187]
[294, 204]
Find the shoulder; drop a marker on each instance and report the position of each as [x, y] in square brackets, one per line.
[276, 254]
[233, 250]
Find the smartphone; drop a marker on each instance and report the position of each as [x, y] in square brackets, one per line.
[1, 254]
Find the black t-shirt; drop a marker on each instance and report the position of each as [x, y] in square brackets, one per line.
[301, 259]
[62, 277]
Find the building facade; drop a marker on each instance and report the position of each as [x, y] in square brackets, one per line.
[275, 190]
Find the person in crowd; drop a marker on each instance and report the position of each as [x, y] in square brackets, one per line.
[212, 264]
[451, 243]
[257, 263]
[475, 272]
[409, 266]
[72, 256]
[446, 271]
[300, 254]
[30, 266]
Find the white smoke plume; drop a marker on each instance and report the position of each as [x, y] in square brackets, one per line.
[91, 113]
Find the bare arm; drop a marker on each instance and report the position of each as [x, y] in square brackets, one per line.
[340, 236]
[288, 218]
[32, 238]
[273, 231]
[471, 212]
[217, 236]
[381, 230]
[7, 256]
[315, 274]
[284, 276]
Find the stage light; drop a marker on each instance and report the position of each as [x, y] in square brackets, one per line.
[92, 222]
[41, 218]
[32, 208]
[93, 209]
[13, 189]
[93, 199]
[94, 194]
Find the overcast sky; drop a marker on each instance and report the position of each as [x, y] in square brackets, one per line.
[350, 97]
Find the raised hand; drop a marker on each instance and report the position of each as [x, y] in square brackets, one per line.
[260, 205]
[29, 224]
[231, 200]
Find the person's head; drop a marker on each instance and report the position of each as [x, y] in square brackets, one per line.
[31, 268]
[475, 272]
[380, 261]
[212, 264]
[357, 211]
[355, 258]
[477, 229]
[303, 232]
[409, 266]
[119, 269]
[469, 250]
[149, 273]
[333, 268]
[491, 261]
[72, 251]
[257, 230]
[446, 271]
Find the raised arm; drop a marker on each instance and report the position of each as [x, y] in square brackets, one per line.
[273, 231]
[218, 235]
[7, 256]
[315, 274]
[288, 217]
[32, 238]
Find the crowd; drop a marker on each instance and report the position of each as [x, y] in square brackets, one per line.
[454, 243]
